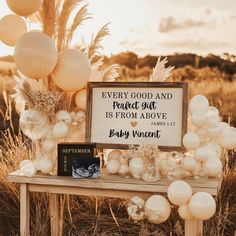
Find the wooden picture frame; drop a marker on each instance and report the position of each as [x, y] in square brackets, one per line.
[120, 114]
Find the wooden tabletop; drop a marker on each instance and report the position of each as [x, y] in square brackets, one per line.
[113, 182]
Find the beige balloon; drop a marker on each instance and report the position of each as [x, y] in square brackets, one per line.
[35, 55]
[72, 71]
[24, 7]
[81, 99]
[11, 28]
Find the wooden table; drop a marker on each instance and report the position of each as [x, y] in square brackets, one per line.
[108, 186]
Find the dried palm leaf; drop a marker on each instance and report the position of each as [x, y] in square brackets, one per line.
[111, 73]
[97, 65]
[48, 17]
[67, 8]
[95, 44]
[81, 16]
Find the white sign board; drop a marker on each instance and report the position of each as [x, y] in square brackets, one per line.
[121, 114]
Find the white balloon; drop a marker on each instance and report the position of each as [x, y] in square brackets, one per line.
[191, 141]
[60, 130]
[202, 206]
[215, 131]
[46, 165]
[157, 209]
[179, 192]
[48, 145]
[12, 27]
[228, 140]
[72, 70]
[113, 166]
[198, 102]
[136, 167]
[64, 116]
[213, 166]
[81, 99]
[184, 212]
[35, 55]
[213, 110]
[24, 7]
[200, 154]
[188, 163]
[199, 118]
[213, 120]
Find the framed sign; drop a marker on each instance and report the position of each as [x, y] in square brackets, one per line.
[123, 113]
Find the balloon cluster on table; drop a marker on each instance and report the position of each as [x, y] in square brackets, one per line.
[205, 141]
[157, 209]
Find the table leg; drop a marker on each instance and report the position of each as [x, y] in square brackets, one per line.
[54, 214]
[24, 210]
[193, 227]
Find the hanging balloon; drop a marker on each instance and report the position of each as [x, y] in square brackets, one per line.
[191, 141]
[157, 209]
[24, 7]
[11, 28]
[35, 55]
[72, 71]
[198, 102]
[81, 98]
[95, 76]
[202, 206]
[179, 192]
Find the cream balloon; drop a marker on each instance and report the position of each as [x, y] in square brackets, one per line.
[191, 141]
[11, 28]
[184, 212]
[72, 70]
[157, 209]
[202, 206]
[48, 145]
[198, 102]
[228, 140]
[35, 55]
[95, 76]
[179, 192]
[199, 118]
[212, 119]
[113, 166]
[213, 166]
[60, 130]
[81, 99]
[201, 154]
[115, 154]
[124, 169]
[24, 7]
[46, 165]
[215, 131]
[136, 167]
[188, 163]
[213, 110]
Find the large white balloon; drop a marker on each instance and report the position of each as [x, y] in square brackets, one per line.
[179, 192]
[35, 55]
[72, 71]
[157, 209]
[198, 102]
[191, 141]
[199, 118]
[202, 206]
[81, 99]
[11, 28]
[24, 7]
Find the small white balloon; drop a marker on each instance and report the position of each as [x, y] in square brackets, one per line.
[199, 118]
[213, 166]
[60, 130]
[191, 141]
[198, 102]
[184, 212]
[202, 206]
[48, 145]
[179, 192]
[213, 120]
[64, 116]
[188, 163]
[136, 167]
[81, 99]
[46, 165]
[113, 166]
[200, 154]
[213, 110]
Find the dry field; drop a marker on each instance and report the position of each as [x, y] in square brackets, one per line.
[99, 216]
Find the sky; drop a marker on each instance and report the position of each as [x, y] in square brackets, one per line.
[158, 27]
